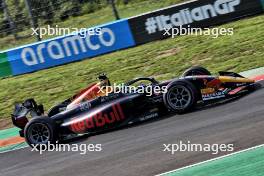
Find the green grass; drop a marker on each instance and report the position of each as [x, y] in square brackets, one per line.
[162, 59]
[241, 164]
[92, 19]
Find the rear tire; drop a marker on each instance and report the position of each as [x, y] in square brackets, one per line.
[196, 70]
[40, 130]
[181, 96]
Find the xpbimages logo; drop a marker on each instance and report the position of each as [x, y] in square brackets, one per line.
[188, 16]
[192, 147]
[82, 148]
[59, 31]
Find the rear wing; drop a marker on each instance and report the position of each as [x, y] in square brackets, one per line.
[19, 115]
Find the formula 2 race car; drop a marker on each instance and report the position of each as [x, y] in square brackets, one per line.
[81, 115]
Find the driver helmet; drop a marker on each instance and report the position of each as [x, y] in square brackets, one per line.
[104, 80]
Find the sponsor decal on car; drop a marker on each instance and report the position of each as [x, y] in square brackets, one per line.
[241, 84]
[149, 116]
[207, 91]
[215, 83]
[99, 119]
[85, 106]
[215, 95]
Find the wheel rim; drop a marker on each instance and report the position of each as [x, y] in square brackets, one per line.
[179, 97]
[39, 133]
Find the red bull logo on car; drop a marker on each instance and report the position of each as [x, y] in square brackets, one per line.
[100, 119]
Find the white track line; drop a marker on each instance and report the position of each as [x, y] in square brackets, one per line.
[207, 161]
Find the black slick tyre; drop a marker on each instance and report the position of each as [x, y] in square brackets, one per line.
[181, 96]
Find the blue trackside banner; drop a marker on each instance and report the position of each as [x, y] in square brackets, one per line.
[125, 33]
[62, 50]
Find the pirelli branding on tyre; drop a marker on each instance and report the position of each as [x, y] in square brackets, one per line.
[198, 14]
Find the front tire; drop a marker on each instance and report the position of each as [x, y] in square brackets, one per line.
[40, 131]
[181, 96]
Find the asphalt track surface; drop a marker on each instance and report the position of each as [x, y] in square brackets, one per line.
[138, 150]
